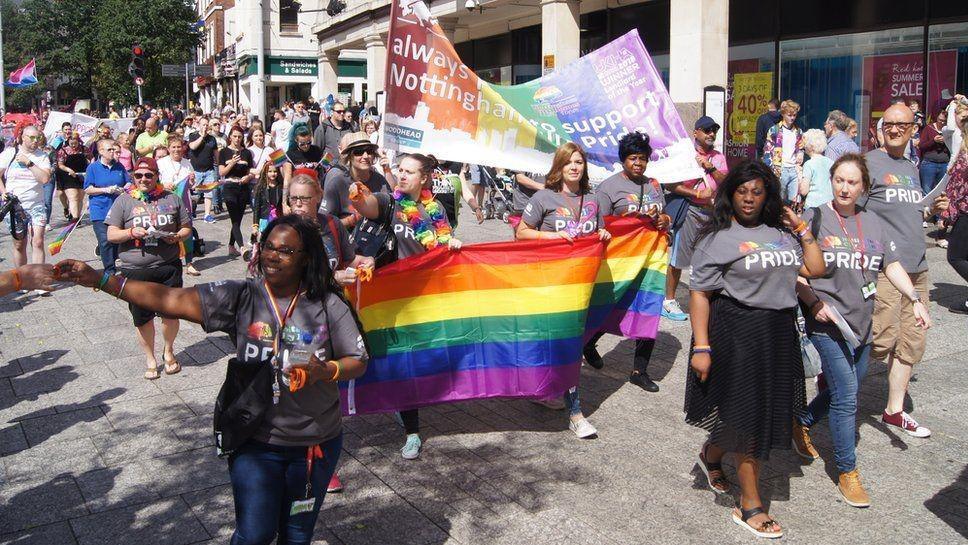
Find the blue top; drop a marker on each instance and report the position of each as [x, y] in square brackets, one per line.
[99, 175]
[817, 170]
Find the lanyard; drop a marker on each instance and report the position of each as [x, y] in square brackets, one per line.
[860, 238]
[280, 318]
[581, 204]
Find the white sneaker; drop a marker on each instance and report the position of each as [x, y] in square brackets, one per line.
[48, 227]
[942, 243]
[555, 404]
[925, 224]
[582, 428]
[41, 293]
[411, 450]
[672, 311]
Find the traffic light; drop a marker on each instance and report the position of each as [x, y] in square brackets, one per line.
[136, 68]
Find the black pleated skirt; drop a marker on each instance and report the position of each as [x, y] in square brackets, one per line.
[755, 386]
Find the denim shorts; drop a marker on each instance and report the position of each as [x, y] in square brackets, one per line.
[204, 178]
[36, 213]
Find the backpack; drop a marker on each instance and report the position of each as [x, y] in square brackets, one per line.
[376, 240]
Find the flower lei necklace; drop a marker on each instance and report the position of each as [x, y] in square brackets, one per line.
[138, 194]
[430, 233]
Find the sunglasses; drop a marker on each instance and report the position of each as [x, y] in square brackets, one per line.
[338, 111]
[145, 175]
[283, 251]
[360, 151]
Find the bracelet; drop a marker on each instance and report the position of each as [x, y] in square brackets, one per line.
[131, 233]
[338, 369]
[800, 228]
[701, 350]
[104, 280]
[700, 346]
[124, 281]
[18, 282]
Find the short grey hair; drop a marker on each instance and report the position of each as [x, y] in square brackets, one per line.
[814, 141]
[839, 119]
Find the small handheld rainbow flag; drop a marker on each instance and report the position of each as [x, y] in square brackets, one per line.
[278, 158]
[182, 191]
[326, 163]
[54, 247]
[206, 187]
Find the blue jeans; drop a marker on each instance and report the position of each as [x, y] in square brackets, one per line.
[843, 369]
[49, 188]
[266, 480]
[571, 402]
[789, 184]
[931, 174]
[109, 251]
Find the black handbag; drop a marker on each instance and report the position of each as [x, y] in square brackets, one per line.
[376, 240]
[242, 403]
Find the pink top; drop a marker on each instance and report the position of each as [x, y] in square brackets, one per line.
[125, 157]
[707, 182]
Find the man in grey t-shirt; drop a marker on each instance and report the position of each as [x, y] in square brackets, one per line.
[896, 198]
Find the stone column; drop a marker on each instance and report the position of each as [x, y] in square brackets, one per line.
[327, 73]
[376, 64]
[698, 52]
[559, 30]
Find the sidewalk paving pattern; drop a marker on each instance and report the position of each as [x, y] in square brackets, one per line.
[91, 453]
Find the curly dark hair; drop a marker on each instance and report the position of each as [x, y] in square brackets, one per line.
[634, 142]
[722, 214]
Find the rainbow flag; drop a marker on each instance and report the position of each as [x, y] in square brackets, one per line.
[278, 158]
[326, 162]
[630, 286]
[201, 188]
[183, 190]
[54, 247]
[502, 319]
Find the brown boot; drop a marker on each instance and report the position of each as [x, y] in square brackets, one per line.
[852, 491]
[802, 443]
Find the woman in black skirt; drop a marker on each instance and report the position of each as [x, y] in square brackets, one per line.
[72, 161]
[746, 382]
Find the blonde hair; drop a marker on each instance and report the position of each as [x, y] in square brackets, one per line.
[960, 109]
[789, 107]
[305, 179]
[814, 141]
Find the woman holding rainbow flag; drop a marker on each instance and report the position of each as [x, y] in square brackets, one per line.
[632, 193]
[565, 209]
[419, 224]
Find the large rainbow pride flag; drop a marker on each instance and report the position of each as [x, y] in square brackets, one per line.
[505, 319]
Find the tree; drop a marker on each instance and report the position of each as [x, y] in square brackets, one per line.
[86, 45]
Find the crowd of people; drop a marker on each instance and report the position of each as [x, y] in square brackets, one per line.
[809, 227]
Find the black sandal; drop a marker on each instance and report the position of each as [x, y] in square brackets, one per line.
[761, 531]
[719, 484]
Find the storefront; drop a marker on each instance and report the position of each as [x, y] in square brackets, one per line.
[857, 60]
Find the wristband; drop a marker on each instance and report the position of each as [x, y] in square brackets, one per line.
[702, 350]
[104, 280]
[336, 374]
[815, 303]
[916, 299]
[131, 233]
[700, 346]
[120, 291]
[800, 228]
[18, 283]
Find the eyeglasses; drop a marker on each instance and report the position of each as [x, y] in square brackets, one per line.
[360, 151]
[283, 251]
[899, 125]
[338, 111]
[295, 199]
[32, 137]
[145, 175]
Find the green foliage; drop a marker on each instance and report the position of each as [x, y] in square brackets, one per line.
[86, 44]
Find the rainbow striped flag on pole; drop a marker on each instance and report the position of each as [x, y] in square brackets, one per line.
[183, 190]
[54, 246]
[505, 319]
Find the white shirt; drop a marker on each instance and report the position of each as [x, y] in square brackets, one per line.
[171, 173]
[280, 131]
[260, 157]
[20, 180]
[789, 146]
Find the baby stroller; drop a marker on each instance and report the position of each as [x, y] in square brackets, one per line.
[498, 193]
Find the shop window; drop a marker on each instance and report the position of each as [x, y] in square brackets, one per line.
[493, 52]
[947, 63]
[593, 28]
[288, 16]
[860, 74]
[749, 87]
[823, 16]
[752, 21]
[651, 19]
[946, 9]
[465, 50]
[526, 54]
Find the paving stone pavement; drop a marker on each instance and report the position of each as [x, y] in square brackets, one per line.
[94, 454]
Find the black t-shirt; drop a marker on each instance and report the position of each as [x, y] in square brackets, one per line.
[241, 168]
[308, 159]
[203, 158]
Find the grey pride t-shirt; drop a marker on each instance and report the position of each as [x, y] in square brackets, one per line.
[167, 214]
[757, 266]
[553, 211]
[312, 414]
[620, 196]
[848, 269]
[336, 190]
[895, 197]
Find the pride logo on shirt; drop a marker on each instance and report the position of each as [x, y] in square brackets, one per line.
[751, 246]
[901, 189]
[564, 212]
[832, 243]
[768, 255]
[260, 331]
[894, 179]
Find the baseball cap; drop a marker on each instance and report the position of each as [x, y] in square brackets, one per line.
[705, 123]
[148, 163]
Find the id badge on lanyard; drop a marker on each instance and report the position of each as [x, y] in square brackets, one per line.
[868, 288]
[276, 352]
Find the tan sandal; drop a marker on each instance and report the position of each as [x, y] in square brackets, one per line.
[172, 367]
[152, 374]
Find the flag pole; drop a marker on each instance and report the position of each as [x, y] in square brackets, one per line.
[3, 88]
